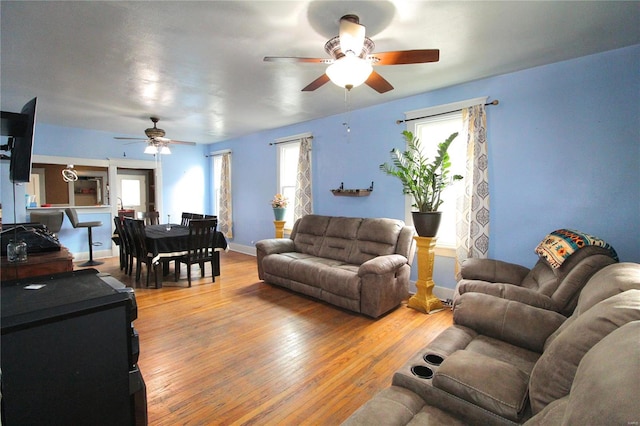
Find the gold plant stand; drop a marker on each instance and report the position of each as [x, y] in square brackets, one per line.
[279, 224]
[424, 300]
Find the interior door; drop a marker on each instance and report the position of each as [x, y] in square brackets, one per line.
[133, 191]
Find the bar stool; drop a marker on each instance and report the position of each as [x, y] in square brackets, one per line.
[73, 218]
[52, 220]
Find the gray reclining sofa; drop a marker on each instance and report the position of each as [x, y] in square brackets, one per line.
[360, 264]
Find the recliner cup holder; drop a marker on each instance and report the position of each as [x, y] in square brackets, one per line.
[422, 371]
[433, 359]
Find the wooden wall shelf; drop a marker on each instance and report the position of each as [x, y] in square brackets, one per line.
[352, 192]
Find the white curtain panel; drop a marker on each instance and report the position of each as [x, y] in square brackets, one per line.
[472, 215]
[225, 221]
[304, 197]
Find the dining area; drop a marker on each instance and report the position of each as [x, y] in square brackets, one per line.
[150, 247]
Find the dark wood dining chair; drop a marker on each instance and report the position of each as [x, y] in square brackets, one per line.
[187, 217]
[141, 254]
[150, 218]
[120, 238]
[202, 234]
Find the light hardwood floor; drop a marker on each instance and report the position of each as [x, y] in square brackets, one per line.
[239, 351]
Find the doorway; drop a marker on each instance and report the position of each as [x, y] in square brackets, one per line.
[136, 190]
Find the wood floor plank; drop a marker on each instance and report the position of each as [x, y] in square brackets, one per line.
[239, 351]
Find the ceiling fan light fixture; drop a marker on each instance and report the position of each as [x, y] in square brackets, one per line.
[151, 149]
[165, 150]
[349, 71]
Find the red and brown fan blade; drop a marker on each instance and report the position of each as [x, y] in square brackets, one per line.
[404, 57]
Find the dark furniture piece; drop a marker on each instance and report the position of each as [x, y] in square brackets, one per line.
[136, 231]
[38, 264]
[69, 352]
[150, 218]
[186, 218]
[73, 218]
[120, 238]
[200, 248]
[168, 244]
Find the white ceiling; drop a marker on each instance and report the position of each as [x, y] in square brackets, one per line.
[198, 65]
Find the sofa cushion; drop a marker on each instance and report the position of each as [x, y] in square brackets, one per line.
[339, 238]
[309, 233]
[376, 237]
[608, 377]
[489, 383]
[553, 374]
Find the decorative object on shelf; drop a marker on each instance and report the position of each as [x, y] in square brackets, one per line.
[352, 192]
[279, 204]
[422, 179]
[424, 300]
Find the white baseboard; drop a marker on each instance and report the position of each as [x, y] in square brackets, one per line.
[250, 250]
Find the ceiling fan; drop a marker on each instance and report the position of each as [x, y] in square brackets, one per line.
[156, 142]
[352, 61]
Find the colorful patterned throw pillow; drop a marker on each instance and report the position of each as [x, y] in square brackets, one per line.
[562, 243]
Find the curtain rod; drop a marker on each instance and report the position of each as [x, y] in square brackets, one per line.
[495, 102]
[291, 140]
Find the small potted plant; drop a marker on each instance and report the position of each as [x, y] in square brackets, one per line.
[279, 204]
[423, 179]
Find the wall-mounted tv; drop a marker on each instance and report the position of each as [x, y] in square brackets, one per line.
[20, 128]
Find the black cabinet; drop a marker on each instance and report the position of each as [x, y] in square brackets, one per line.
[69, 352]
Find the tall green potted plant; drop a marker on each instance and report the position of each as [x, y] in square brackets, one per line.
[423, 179]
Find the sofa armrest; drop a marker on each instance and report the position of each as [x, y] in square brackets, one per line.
[271, 246]
[512, 322]
[508, 291]
[274, 245]
[492, 270]
[382, 264]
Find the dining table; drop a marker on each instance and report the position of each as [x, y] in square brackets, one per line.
[169, 241]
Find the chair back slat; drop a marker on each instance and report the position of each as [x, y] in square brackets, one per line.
[188, 217]
[150, 218]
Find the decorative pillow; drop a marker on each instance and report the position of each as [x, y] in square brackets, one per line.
[562, 243]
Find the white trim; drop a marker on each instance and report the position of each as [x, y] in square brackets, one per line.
[294, 138]
[76, 161]
[441, 109]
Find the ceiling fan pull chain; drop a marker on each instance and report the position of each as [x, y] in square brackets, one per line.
[347, 108]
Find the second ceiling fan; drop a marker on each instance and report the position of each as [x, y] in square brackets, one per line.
[351, 62]
[156, 142]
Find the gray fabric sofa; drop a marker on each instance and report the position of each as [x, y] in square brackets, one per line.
[360, 264]
[544, 286]
[505, 362]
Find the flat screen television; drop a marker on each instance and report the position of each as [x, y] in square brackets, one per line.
[21, 151]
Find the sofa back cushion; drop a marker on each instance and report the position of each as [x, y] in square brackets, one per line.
[350, 239]
[554, 372]
[376, 237]
[308, 234]
[340, 237]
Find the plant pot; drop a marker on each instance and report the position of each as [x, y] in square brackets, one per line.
[426, 223]
[278, 212]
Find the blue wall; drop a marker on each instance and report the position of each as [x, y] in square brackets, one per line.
[564, 147]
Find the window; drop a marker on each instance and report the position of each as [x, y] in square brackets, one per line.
[431, 131]
[288, 154]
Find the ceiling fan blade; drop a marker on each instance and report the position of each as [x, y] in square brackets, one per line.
[378, 83]
[173, 141]
[402, 57]
[323, 79]
[129, 139]
[294, 59]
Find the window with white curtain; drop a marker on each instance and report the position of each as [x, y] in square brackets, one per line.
[288, 154]
[431, 131]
